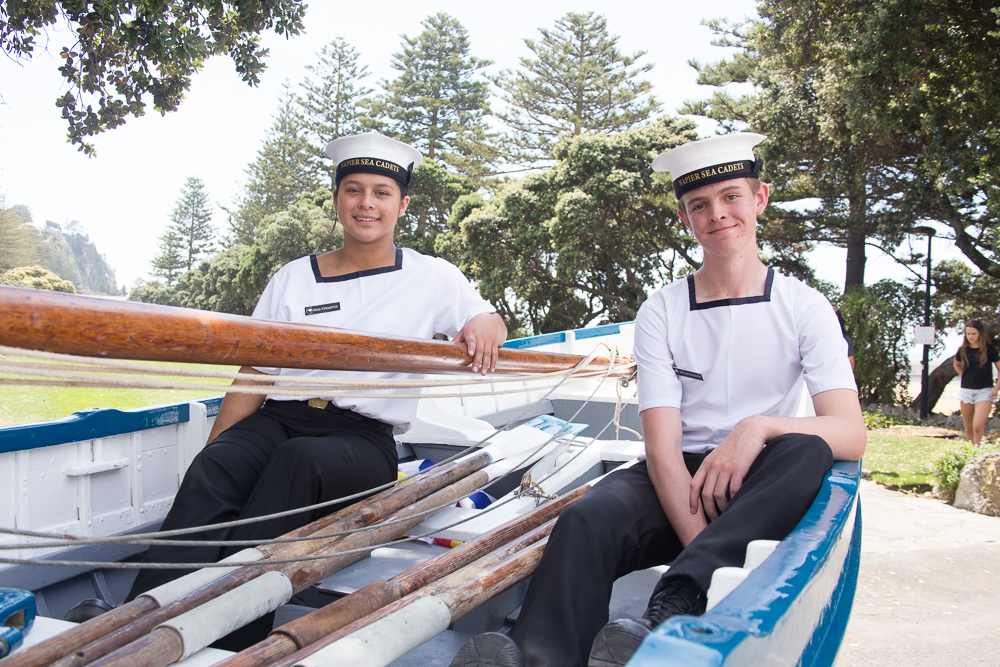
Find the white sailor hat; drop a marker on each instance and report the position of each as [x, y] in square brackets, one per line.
[374, 154]
[711, 160]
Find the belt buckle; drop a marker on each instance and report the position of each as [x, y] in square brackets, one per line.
[318, 403]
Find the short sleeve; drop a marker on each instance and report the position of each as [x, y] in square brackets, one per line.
[268, 308]
[822, 347]
[659, 386]
[991, 354]
[456, 301]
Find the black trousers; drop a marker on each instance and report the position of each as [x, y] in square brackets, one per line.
[284, 456]
[618, 527]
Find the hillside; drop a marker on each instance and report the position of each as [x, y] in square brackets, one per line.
[72, 256]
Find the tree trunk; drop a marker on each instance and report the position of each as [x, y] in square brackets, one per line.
[936, 382]
[855, 275]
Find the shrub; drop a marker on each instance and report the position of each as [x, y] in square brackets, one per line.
[947, 466]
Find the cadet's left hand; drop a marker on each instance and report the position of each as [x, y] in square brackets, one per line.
[722, 472]
[483, 335]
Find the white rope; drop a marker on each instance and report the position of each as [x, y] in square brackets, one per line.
[148, 538]
[240, 522]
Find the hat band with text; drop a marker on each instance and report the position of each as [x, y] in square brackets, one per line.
[370, 165]
[717, 173]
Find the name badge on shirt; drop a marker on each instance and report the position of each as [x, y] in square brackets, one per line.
[324, 308]
[688, 374]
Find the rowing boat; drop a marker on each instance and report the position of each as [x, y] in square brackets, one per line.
[107, 473]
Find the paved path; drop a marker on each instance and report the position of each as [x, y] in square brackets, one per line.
[929, 587]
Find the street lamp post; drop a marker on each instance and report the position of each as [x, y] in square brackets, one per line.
[925, 374]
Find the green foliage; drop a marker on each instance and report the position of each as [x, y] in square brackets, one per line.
[125, 51]
[233, 280]
[965, 293]
[883, 111]
[578, 82]
[436, 103]
[875, 420]
[581, 242]
[191, 223]
[880, 320]
[169, 262]
[334, 105]
[20, 243]
[153, 291]
[434, 193]
[279, 176]
[36, 277]
[947, 465]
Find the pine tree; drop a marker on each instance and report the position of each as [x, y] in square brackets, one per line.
[278, 177]
[436, 103]
[579, 82]
[191, 223]
[169, 263]
[333, 105]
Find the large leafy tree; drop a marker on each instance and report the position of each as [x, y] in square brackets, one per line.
[578, 81]
[438, 102]
[279, 176]
[842, 171]
[126, 52]
[583, 241]
[334, 103]
[434, 193]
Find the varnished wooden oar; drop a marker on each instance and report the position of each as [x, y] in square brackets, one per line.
[95, 327]
[312, 628]
[175, 640]
[394, 630]
[107, 632]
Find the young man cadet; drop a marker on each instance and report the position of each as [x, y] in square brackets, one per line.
[722, 356]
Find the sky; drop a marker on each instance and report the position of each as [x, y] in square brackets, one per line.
[124, 196]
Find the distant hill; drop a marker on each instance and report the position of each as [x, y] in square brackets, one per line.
[72, 256]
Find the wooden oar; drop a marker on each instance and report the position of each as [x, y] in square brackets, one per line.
[187, 634]
[400, 627]
[314, 627]
[95, 327]
[93, 639]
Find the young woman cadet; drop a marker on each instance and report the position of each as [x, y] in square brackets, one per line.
[268, 455]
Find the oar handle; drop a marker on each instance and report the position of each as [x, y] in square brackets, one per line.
[100, 327]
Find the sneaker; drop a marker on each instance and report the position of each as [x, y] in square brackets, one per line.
[490, 649]
[618, 641]
[680, 597]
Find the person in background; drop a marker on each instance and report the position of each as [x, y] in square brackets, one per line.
[972, 363]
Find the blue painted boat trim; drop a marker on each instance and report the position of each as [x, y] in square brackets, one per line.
[795, 604]
[103, 423]
[560, 337]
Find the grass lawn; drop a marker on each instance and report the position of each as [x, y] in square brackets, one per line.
[903, 460]
[27, 405]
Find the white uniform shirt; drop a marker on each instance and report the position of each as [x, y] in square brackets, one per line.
[721, 361]
[417, 297]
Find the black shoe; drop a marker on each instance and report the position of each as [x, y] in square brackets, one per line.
[490, 649]
[84, 610]
[680, 597]
[618, 641]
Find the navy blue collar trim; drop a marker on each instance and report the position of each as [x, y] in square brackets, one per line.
[357, 274]
[719, 303]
